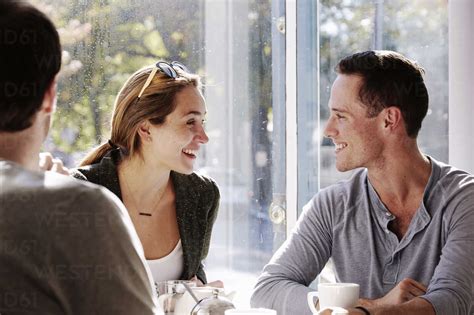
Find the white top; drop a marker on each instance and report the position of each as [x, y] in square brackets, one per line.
[169, 267]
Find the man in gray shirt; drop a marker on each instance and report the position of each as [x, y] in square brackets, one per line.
[402, 227]
[66, 247]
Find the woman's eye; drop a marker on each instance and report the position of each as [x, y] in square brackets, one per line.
[193, 122]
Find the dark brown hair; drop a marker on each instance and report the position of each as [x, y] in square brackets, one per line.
[157, 102]
[389, 79]
[30, 58]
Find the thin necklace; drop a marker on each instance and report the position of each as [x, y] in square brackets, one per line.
[144, 212]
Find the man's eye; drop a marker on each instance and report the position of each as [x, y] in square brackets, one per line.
[339, 116]
[190, 122]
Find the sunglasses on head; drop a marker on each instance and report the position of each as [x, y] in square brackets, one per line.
[167, 68]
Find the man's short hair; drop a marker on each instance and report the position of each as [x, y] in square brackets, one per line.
[30, 58]
[389, 79]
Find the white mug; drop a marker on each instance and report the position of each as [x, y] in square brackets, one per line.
[334, 296]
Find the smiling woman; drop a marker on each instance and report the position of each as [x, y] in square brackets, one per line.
[156, 134]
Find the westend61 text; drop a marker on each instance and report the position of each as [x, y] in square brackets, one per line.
[13, 37]
[10, 89]
[15, 300]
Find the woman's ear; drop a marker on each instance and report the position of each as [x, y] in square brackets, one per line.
[144, 131]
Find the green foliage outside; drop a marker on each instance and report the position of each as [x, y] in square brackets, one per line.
[104, 42]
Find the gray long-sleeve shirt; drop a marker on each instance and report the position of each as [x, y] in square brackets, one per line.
[348, 223]
[68, 247]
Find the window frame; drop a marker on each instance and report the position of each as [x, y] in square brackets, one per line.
[291, 117]
[461, 81]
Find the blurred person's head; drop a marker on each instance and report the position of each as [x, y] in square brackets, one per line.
[389, 79]
[30, 58]
[161, 124]
[377, 104]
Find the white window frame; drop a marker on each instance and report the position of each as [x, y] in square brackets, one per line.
[461, 84]
[291, 119]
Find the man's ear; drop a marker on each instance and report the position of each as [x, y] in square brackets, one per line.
[49, 99]
[392, 118]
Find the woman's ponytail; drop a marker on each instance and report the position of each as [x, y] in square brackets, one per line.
[97, 154]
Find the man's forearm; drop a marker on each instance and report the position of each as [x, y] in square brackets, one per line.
[416, 306]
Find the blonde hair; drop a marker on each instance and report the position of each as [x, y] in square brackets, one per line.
[157, 102]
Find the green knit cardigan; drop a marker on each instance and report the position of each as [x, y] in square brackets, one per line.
[197, 202]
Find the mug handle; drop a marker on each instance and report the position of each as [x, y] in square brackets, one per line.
[311, 296]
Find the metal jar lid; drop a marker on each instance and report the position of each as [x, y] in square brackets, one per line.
[213, 305]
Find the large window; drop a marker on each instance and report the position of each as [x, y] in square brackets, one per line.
[230, 43]
[244, 50]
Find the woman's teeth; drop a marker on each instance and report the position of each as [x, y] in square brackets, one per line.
[190, 152]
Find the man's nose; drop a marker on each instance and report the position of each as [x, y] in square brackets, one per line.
[329, 130]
